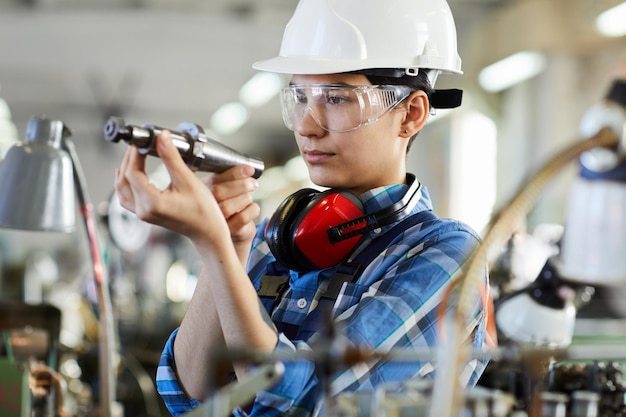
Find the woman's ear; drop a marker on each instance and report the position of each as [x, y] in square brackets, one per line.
[418, 108]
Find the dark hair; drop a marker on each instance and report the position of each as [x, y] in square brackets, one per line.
[399, 77]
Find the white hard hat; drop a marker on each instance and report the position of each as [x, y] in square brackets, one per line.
[332, 36]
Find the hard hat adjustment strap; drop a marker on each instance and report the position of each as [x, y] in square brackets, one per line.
[446, 99]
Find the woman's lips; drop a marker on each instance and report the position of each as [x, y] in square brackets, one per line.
[316, 157]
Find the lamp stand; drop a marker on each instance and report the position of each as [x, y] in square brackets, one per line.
[106, 338]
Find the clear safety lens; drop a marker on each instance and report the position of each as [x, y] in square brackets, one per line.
[339, 107]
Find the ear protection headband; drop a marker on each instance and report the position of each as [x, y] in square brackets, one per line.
[316, 230]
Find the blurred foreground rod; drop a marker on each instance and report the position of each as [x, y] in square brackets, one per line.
[199, 152]
[269, 366]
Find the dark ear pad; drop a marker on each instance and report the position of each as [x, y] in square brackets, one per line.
[278, 229]
[297, 233]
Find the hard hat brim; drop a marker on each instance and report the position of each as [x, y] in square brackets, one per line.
[304, 65]
[318, 65]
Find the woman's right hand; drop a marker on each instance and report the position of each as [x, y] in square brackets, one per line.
[186, 206]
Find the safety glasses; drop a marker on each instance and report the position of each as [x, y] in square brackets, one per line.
[339, 107]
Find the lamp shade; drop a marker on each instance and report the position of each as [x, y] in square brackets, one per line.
[37, 180]
[543, 313]
[524, 320]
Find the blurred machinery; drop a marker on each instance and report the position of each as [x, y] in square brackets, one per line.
[30, 334]
[537, 311]
[566, 377]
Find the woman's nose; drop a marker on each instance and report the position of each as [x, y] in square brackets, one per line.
[308, 125]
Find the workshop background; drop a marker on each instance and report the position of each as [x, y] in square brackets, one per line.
[162, 63]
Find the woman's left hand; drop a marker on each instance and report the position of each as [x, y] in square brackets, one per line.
[232, 190]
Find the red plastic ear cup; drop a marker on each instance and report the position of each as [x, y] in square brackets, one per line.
[297, 232]
[310, 235]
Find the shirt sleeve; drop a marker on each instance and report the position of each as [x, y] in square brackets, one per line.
[295, 395]
[167, 383]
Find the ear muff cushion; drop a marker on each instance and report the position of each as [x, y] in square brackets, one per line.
[278, 232]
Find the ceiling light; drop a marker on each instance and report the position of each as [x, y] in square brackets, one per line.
[511, 70]
[612, 22]
[229, 117]
[260, 89]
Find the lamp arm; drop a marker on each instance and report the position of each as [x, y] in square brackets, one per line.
[106, 339]
[502, 226]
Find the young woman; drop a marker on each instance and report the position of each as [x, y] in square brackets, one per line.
[362, 77]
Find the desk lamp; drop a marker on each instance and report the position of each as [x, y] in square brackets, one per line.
[40, 181]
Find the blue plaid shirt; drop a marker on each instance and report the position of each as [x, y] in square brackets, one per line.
[393, 305]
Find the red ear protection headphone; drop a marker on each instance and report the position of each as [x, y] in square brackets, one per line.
[316, 230]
